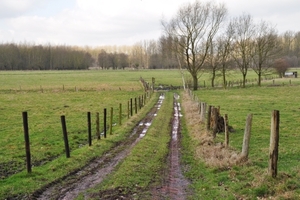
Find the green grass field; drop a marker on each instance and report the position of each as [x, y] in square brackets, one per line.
[48, 95]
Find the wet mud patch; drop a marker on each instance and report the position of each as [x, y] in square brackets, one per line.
[175, 185]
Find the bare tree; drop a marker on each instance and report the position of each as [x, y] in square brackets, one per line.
[194, 26]
[265, 48]
[213, 60]
[225, 45]
[243, 43]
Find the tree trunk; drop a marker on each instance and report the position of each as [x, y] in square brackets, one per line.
[224, 78]
[213, 78]
[195, 82]
[259, 79]
[244, 79]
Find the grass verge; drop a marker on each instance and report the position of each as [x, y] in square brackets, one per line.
[241, 180]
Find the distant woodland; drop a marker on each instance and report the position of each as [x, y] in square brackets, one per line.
[147, 54]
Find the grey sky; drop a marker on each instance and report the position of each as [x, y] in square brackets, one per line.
[117, 22]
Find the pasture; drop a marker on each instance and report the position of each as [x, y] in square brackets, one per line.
[46, 95]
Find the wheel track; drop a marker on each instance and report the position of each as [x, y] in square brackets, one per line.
[94, 173]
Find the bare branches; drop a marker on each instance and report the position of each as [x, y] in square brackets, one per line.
[194, 26]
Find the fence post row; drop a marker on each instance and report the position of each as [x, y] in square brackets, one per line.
[142, 101]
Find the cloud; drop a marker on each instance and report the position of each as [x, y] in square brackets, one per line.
[116, 22]
[13, 8]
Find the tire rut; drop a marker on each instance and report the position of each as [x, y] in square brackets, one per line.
[175, 186]
[94, 173]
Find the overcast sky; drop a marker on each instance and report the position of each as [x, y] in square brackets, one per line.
[117, 22]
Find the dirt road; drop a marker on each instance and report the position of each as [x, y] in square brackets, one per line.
[95, 172]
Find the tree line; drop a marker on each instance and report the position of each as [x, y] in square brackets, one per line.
[39, 57]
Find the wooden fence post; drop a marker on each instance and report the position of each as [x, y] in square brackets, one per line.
[135, 105]
[104, 122]
[27, 143]
[120, 114]
[247, 134]
[215, 121]
[208, 118]
[111, 120]
[65, 134]
[131, 107]
[89, 128]
[203, 111]
[274, 142]
[128, 112]
[140, 105]
[98, 126]
[226, 130]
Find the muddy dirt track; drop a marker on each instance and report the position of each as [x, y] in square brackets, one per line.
[95, 172]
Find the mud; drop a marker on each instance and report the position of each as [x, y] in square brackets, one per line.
[175, 186]
[92, 174]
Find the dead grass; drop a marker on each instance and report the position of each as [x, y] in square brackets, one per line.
[212, 153]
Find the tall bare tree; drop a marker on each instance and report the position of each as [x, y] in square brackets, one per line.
[265, 49]
[195, 25]
[243, 43]
[225, 45]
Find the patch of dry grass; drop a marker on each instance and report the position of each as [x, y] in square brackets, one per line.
[212, 153]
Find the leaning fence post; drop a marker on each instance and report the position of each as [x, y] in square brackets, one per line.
[89, 128]
[247, 133]
[65, 134]
[274, 142]
[27, 143]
